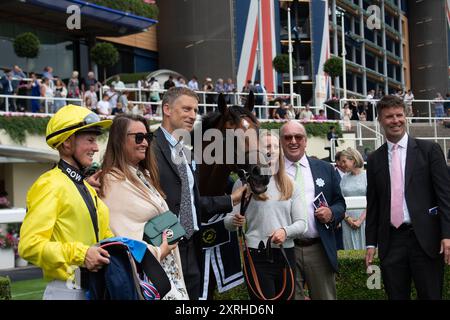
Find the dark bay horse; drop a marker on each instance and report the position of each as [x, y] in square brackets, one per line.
[223, 261]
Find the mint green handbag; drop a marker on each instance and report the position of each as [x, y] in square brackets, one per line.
[165, 221]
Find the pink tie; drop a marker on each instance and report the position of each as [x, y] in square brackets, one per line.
[396, 188]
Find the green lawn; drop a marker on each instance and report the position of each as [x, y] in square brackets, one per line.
[28, 289]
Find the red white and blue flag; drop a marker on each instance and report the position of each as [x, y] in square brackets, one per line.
[321, 50]
[247, 40]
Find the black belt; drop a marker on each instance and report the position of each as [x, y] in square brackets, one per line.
[306, 242]
[403, 227]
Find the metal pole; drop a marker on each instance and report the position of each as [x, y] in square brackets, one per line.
[344, 53]
[291, 75]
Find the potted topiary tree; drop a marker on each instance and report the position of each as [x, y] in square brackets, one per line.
[281, 64]
[333, 67]
[105, 55]
[27, 45]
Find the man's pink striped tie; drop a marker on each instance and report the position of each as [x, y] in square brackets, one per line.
[396, 188]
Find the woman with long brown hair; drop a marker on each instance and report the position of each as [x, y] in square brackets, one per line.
[130, 188]
[276, 213]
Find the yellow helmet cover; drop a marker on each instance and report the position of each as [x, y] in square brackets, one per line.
[69, 120]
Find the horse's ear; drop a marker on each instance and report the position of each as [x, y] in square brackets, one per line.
[222, 104]
[249, 105]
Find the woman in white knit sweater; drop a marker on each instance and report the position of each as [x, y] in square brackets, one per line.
[275, 213]
[130, 188]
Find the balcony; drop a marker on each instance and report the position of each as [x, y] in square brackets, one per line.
[301, 31]
[301, 73]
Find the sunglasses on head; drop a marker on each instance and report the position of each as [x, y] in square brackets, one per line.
[140, 136]
[297, 137]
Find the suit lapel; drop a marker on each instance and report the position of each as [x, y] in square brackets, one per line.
[163, 144]
[314, 171]
[411, 155]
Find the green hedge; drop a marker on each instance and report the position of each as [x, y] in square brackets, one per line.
[351, 282]
[18, 127]
[313, 129]
[5, 289]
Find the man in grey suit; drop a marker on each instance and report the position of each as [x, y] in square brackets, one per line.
[408, 208]
[316, 253]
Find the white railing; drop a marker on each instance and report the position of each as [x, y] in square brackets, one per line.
[378, 136]
[333, 144]
[13, 215]
[373, 103]
[47, 100]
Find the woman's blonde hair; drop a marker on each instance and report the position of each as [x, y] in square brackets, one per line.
[282, 180]
[354, 155]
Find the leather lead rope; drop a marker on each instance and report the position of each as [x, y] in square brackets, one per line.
[257, 291]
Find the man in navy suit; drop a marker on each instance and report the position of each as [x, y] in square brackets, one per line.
[316, 253]
[408, 208]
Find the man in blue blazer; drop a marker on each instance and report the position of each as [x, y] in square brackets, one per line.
[316, 253]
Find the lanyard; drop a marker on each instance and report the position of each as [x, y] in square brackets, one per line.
[77, 178]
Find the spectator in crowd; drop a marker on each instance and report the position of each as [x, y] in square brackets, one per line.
[47, 92]
[73, 88]
[230, 89]
[180, 182]
[290, 112]
[315, 251]
[59, 91]
[35, 87]
[65, 219]
[181, 82]
[321, 116]
[8, 89]
[210, 98]
[169, 83]
[119, 109]
[333, 135]
[4, 202]
[103, 106]
[408, 214]
[346, 115]
[193, 84]
[363, 116]
[306, 114]
[90, 81]
[353, 184]
[259, 97]
[354, 109]
[154, 93]
[439, 106]
[219, 88]
[113, 96]
[17, 76]
[88, 104]
[92, 95]
[408, 98]
[339, 164]
[118, 84]
[48, 73]
[370, 116]
[447, 103]
[132, 192]
[277, 213]
[246, 89]
[281, 112]
[123, 98]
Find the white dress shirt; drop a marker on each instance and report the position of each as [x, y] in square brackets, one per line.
[291, 169]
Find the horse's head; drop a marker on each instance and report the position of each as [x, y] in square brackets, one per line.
[239, 129]
[245, 126]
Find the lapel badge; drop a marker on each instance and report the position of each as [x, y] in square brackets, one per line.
[320, 183]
